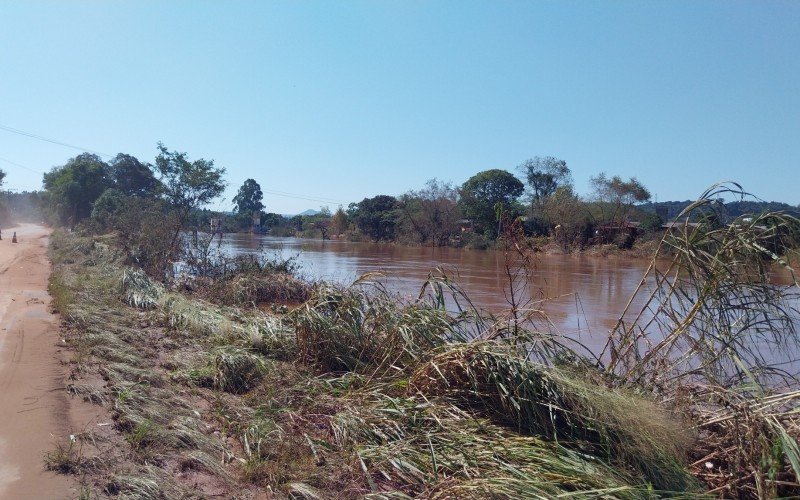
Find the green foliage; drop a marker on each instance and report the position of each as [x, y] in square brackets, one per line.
[249, 198]
[651, 222]
[73, 188]
[108, 206]
[430, 215]
[376, 217]
[188, 185]
[339, 221]
[616, 197]
[564, 215]
[485, 192]
[26, 205]
[132, 177]
[145, 227]
[545, 175]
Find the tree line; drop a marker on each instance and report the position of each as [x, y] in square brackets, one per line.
[442, 213]
[168, 196]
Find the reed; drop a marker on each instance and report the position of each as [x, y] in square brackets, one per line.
[709, 339]
[347, 329]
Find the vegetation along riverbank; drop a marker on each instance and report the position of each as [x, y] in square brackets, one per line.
[234, 378]
[346, 392]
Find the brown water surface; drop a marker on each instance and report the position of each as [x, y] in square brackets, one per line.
[581, 296]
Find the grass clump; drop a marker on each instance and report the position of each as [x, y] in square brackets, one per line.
[430, 448]
[347, 329]
[237, 370]
[61, 295]
[139, 290]
[65, 458]
[493, 379]
[255, 288]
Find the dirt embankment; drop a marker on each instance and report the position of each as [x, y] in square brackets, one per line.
[34, 408]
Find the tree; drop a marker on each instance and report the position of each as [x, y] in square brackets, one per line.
[616, 197]
[73, 188]
[108, 206]
[376, 217]
[566, 218]
[339, 221]
[484, 193]
[249, 198]
[431, 214]
[545, 175]
[2, 176]
[132, 177]
[187, 185]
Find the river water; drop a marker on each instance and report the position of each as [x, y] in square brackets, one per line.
[580, 296]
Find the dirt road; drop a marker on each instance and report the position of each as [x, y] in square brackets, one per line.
[34, 408]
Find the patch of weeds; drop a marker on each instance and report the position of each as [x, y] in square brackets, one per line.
[86, 493]
[66, 458]
[202, 376]
[237, 370]
[288, 460]
[62, 295]
[142, 434]
[89, 393]
[148, 482]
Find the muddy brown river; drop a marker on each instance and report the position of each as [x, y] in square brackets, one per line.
[581, 296]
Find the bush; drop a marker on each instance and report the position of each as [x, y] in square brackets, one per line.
[146, 228]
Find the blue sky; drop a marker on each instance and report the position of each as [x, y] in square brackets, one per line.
[336, 101]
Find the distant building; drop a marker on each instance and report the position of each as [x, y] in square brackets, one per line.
[608, 233]
[256, 224]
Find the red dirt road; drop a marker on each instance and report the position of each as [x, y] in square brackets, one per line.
[34, 407]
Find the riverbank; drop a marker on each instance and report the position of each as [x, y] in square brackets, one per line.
[643, 248]
[352, 394]
[213, 400]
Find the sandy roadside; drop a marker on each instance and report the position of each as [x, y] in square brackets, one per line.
[34, 408]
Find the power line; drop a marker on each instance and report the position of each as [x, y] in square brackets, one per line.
[52, 141]
[21, 166]
[302, 197]
[318, 199]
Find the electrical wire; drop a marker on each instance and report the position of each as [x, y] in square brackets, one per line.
[52, 141]
[20, 166]
[318, 199]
